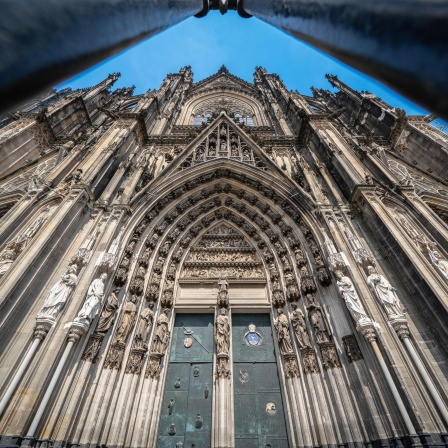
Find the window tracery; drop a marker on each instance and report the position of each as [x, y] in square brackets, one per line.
[224, 142]
[206, 111]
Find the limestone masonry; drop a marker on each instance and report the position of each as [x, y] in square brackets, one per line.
[222, 264]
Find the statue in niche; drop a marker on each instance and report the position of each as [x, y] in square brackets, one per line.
[127, 320]
[246, 154]
[162, 334]
[34, 227]
[283, 336]
[77, 176]
[350, 296]
[385, 292]
[107, 317]
[222, 332]
[223, 146]
[299, 325]
[320, 325]
[422, 242]
[200, 154]
[223, 131]
[59, 294]
[144, 326]
[92, 304]
[439, 262]
[6, 259]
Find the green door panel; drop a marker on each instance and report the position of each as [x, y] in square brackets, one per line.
[197, 327]
[189, 374]
[259, 413]
[242, 350]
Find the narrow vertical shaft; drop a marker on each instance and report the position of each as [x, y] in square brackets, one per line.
[393, 388]
[18, 376]
[427, 380]
[49, 392]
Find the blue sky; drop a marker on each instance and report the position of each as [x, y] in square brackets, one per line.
[241, 45]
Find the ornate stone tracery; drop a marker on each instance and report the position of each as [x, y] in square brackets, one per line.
[154, 218]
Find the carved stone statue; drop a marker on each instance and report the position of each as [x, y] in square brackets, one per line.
[162, 334]
[320, 325]
[59, 294]
[144, 325]
[127, 320]
[107, 317]
[439, 262]
[284, 338]
[416, 235]
[350, 296]
[222, 332]
[385, 293]
[6, 259]
[299, 325]
[92, 304]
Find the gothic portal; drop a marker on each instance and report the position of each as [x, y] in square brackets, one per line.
[222, 264]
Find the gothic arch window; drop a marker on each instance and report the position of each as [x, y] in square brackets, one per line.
[240, 108]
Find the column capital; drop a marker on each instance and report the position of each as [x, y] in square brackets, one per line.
[42, 328]
[76, 331]
[400, 325]
[368, 329]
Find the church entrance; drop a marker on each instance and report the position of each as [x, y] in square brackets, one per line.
[259, 415]
[186, 414]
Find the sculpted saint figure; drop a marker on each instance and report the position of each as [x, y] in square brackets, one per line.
[6, 259]
[319, 324]
[92, 304]
[222, 332]
[162, 334]
[144, 325]
[385, 292]
[299, 325]
[284, 338]
[440, 262]
[127, 320]
[349, 294]
[59, 294]
[108, 315]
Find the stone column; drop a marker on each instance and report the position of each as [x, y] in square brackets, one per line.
[400, 325]
[77, 329]
[368, 331]
[222, 432]
[40, 332]
[367, 327]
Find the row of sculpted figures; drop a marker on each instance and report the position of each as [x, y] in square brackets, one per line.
[122, 305]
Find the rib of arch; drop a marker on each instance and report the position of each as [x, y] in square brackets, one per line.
[177, 208]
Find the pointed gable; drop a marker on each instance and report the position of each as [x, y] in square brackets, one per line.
[223, 80]
[223, 139]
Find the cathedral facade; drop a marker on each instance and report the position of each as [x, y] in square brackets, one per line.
[222, 264]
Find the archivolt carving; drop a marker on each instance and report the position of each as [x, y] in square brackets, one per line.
[219, 249]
